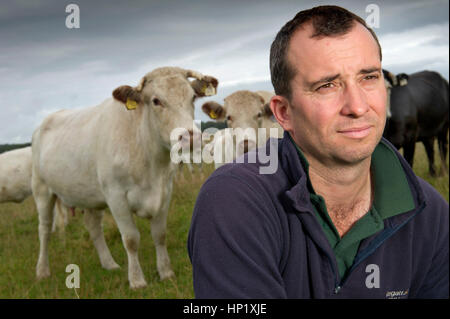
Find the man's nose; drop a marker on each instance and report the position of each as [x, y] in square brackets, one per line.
[355, 102]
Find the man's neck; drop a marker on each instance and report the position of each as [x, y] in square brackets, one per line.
[347, 191]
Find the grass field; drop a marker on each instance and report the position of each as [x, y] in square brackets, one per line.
[19, 246]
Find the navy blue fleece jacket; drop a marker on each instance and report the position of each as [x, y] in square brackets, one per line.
[256, 236]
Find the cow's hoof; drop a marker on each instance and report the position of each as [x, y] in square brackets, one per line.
[167, 275]
[42, 273]
[138, 284]
[111, 266]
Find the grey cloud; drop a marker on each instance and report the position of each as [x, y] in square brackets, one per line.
[45, 66]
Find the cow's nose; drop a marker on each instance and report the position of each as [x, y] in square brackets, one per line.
[186, 138]
[191, 136]
[245, 146]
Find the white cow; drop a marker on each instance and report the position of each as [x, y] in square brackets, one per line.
[117, 154]
[242, 109]
[15, 182]
[15, 175]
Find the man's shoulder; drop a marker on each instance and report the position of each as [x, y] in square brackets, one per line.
[236, 178]
[432, 197]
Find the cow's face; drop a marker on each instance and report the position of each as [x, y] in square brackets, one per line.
[166, 102]
[170, 101]
[242, 109]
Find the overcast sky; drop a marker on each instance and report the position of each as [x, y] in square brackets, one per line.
[44, 66]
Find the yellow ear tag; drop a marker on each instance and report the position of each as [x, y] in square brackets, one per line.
[208, 89]
[212, 114]
[131, 104]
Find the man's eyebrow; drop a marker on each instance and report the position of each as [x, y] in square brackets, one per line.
[329, 78]
[370, 70]
[325, 79]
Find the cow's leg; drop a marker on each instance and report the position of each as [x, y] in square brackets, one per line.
[130, 238]
[45, 202]
[429, 143]
[60, 220]
[158, 228]
[408, 152]
[93, 222]
[55, 217]
[443, 147]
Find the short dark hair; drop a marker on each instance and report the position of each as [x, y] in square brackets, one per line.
[326, 21]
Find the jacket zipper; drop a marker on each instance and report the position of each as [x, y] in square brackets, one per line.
[370, 250]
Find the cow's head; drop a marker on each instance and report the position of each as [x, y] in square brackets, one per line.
[402, 79]
[165, 99]
[242, 109]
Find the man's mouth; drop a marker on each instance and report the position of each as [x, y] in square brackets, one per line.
[356, 132]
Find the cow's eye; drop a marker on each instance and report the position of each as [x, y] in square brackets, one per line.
[229, 118]
[156, 101]
[259, 114]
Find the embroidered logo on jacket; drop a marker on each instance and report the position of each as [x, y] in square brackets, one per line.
[396, 294]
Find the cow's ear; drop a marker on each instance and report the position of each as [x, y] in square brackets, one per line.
[127, 95]
[214, 110]
[206, 86]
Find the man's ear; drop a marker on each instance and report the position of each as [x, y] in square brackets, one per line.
[214, 110]
[207, 86]
[281, 109]
[128, 96]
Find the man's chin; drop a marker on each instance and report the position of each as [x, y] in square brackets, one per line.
[354, 151]
[356, 155]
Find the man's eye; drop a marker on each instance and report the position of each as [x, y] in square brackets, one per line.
[371, 77]
[325, 86]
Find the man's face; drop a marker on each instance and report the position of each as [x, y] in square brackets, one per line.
[337, 110]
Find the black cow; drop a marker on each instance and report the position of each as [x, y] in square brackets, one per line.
[420, 112]
[396, 79]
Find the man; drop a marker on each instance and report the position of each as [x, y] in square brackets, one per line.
[343, 216]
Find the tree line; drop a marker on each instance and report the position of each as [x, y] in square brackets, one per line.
[10, 147]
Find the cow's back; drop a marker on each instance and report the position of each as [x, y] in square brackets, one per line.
[429, 91]
[429, 86]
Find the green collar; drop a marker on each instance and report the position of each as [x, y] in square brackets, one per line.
[392, 194]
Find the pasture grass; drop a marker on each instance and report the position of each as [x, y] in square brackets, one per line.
[19, 246]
